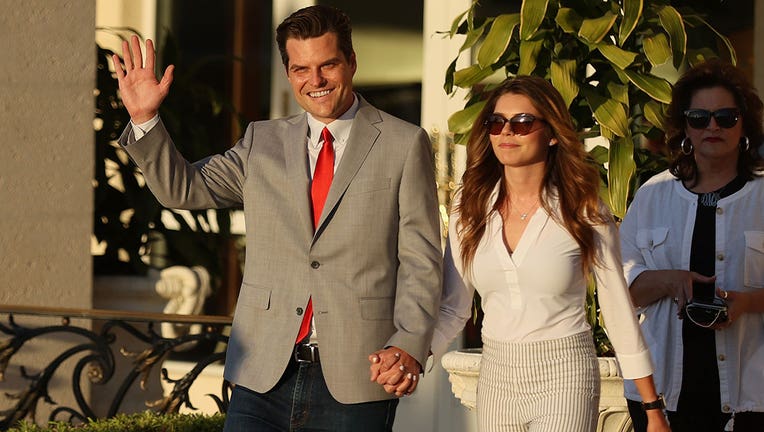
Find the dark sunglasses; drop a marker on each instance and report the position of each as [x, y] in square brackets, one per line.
[700, 118]
[519, 124]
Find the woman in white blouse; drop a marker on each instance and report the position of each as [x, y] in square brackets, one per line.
[526, 230]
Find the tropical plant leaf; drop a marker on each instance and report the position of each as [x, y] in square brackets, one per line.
[621, 169]
[563, 78]
[593, 30]
[599, 154]
[657, 88]
[568, 20]
[725, 40]
[471, 75]
[655, 113]
[609, 113]
[456, 23]
[657, 48]
[461, 122]
[632, 11]
[448, 84]
[619, 92]
[497, 40]
[529, 53]
[607, 133]
[619, 57]
[672, 22]
[474, 35]
[532, 13]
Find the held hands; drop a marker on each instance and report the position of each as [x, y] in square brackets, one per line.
[395, 370]
[141, 93]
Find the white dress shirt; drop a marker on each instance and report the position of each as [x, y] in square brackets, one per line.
[656, 234]
[538, 292]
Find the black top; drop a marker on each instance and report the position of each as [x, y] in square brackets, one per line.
[700, 375]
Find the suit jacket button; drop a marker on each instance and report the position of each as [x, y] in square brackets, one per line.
[315, 264]
[299, 311]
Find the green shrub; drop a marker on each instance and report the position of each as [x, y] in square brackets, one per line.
[139, 422]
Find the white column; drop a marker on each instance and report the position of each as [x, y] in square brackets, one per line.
[433, 407]
[758, 46]
[138, 14]
[439, 52]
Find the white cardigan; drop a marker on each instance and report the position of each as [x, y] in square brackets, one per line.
[656, 234]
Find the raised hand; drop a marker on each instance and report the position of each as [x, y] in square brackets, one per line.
[139, 88]
[395, 370]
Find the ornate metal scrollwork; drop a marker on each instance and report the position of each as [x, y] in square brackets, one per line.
[93, 357]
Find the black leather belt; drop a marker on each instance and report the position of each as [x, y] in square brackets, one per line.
[306, 353]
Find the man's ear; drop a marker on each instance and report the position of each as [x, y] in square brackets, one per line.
[353, 63]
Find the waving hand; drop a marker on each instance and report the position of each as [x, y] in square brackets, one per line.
[141, 93]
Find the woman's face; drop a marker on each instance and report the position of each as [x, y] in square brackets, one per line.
[719, 140]
[529, 143]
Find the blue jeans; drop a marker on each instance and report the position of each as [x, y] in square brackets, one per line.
[302, 402]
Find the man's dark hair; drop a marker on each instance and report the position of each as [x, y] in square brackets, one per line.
[312, 22]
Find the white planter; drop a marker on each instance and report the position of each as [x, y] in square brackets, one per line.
[463, 367]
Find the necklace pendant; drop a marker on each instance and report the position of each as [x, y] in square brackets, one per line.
[523, 216]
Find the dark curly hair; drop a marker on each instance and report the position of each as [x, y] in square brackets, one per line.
[715, 73]
[312, 22]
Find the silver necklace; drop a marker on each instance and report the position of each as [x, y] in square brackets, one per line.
[524, 214]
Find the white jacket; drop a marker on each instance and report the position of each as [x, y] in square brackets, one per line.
[656, 234]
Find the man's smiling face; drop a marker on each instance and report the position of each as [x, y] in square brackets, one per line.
[320, 75]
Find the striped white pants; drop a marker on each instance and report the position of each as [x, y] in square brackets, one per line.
[549, 386]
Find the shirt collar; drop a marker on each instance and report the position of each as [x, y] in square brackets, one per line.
[340, 128]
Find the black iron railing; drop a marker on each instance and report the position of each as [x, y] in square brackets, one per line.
[92, 352]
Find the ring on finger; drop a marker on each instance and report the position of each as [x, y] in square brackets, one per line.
[725, 294]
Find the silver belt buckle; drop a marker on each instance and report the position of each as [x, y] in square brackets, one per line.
[312, 349]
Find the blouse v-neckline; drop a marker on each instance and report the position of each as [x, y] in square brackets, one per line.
[514, 258]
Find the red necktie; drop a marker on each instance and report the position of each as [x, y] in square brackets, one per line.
[319, 189]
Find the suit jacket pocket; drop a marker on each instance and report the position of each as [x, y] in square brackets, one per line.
[256, 297]
[368, 185]
[377, 308]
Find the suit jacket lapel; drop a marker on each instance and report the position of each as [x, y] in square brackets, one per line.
[298, 170]
[362, 137]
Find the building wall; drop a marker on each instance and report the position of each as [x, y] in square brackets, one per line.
[46, 162]
[47, 78]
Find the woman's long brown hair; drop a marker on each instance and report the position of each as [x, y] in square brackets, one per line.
[569, 173]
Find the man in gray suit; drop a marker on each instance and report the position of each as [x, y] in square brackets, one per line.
[343, 248]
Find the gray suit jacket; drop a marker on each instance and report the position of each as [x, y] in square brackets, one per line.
[373, 266]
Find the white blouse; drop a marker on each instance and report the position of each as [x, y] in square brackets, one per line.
[538, 292]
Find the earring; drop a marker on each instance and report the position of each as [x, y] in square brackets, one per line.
[686, 146]
[747, 144]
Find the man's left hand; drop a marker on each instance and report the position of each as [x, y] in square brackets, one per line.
[396, 370]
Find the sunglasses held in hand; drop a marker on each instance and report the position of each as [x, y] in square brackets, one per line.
[519, 124]
[706, 313]
[700, 118]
